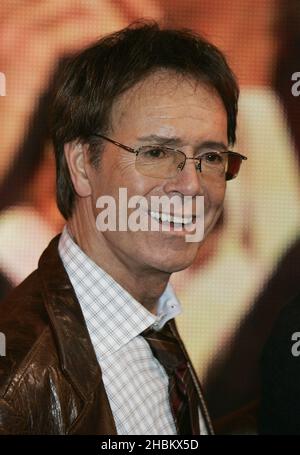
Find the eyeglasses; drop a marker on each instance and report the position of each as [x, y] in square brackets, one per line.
[165, 162]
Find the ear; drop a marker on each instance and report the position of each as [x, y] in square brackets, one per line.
[76, 157]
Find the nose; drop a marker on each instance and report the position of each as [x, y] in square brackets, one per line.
[188, 181]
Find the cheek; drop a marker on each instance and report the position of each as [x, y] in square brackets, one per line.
[215, 193]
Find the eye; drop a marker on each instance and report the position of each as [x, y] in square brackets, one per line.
[212, 158]
[155, 153]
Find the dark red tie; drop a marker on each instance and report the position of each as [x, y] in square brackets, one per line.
[184, 399]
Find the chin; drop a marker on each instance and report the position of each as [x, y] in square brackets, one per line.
[172, 268]
[172, 263]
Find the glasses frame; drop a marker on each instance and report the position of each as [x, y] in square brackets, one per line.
[136, 152]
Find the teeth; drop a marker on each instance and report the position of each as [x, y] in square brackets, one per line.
[171, 219]
[155, 215]
[165, 217]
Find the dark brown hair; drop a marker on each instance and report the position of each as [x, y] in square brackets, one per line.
[91, 81]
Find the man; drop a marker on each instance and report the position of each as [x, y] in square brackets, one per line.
[92, 345]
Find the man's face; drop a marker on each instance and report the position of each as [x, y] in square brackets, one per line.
[169, 106]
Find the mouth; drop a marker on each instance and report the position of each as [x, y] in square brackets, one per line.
[178, 222]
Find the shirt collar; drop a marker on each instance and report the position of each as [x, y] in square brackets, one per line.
[116, 316]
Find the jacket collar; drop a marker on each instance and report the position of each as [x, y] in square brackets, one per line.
[75, 348]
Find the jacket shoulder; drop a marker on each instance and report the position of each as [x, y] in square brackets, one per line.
[23, 320]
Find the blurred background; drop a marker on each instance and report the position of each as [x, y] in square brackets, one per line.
[249, 267]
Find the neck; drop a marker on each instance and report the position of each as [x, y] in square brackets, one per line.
[145, 284]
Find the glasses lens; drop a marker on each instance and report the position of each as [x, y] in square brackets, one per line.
[214, 164]
[233, 165]
[159, 162]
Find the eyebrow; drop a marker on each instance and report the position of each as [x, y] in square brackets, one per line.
[177, 142]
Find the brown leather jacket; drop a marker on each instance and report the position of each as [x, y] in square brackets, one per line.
[50, 379]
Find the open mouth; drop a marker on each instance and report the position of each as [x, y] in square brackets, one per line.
[173, 220]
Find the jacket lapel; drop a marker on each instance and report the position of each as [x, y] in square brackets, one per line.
[76, 352]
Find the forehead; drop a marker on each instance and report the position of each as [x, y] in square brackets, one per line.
[170, 102]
